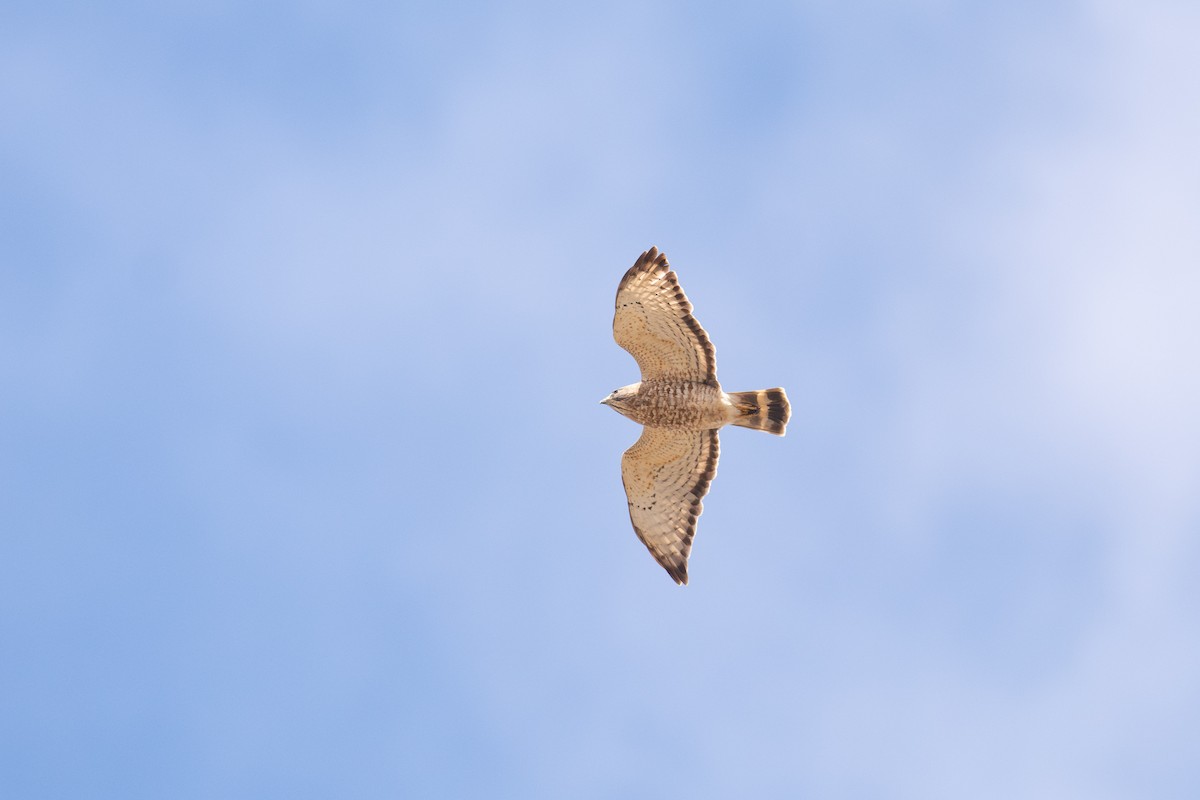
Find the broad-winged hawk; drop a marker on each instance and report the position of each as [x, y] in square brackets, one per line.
[681, 406]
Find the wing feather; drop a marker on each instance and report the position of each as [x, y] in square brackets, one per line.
[666, 475]
[654, 322]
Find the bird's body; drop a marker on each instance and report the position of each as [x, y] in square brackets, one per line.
[681, 406]
[685, 405]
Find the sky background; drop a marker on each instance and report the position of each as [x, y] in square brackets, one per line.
[305, 314]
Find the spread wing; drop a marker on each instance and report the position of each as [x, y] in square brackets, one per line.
[666, 474]
[654, 323]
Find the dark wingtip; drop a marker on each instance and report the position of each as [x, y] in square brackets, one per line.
[678, 573]
[652, 257]
[659, 258]
[648, 261]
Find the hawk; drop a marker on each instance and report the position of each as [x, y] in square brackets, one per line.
[680, 406]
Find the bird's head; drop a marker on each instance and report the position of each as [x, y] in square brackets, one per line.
[620, 398]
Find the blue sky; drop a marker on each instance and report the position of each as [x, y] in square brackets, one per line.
[305, 313]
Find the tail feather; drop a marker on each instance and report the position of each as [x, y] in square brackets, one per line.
[765, 410]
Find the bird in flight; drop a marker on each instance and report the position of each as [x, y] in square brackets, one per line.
[681, 407]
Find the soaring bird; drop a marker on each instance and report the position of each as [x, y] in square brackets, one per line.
[681, 407]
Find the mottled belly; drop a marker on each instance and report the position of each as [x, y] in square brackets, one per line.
[680, 404]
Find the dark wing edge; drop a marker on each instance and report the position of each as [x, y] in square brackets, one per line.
[652, 262]
[675, 560]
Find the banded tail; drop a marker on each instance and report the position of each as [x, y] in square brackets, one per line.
[765, 410]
